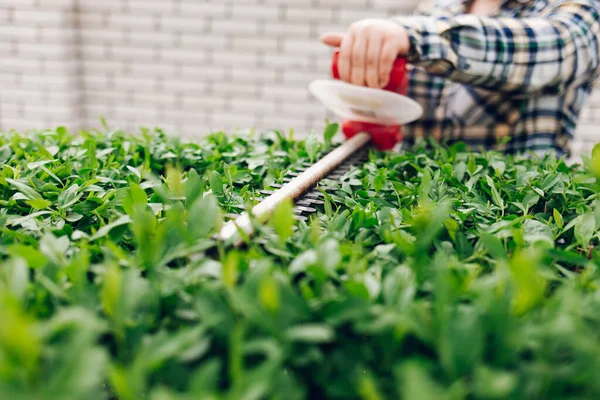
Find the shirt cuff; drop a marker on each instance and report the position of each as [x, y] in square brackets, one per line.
[429, 48]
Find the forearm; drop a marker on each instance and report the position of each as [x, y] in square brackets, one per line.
[523, 56]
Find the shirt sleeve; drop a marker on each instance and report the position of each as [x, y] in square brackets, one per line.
[525, 56]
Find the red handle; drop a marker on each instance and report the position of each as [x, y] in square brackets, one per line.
[398, 81]
[384, 137]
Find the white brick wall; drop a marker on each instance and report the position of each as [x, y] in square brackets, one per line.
[39, 67]
[188, 65]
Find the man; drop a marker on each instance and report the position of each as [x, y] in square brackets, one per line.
[510, 75]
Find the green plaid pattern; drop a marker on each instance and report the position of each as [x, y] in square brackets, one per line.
[513, 82]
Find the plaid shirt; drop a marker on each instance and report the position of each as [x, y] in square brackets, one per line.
[512, 82]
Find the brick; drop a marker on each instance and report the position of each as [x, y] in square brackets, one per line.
[306, 14]
[96, 82]
[151, 99]
[234, 57]
[104, 96]
[195, 41]
[137, 38]
[97, 67]
[26, 4]
[182, 25]
[295, 3]
[55, 4]
[102, 36]
[58, 82]
[252, 106]
[253, 12]
[192, 8]
[48, 51]
[183, 56]
[360, 4]
[39, 111]
[286, 93]
[96, 110]
[296, 61]
[29, 34]
[145, 114]
[13, 109]
[94, 51]
[242, 89]
[20, 84]
[348, 16]
[6, 15]
[288, 29]
[395, 5]
[132, 53]
[230, 122]
[215, 73]
[308, 48]
[152, 70]
[8, 49]
[254, 43]
[62, 67]
[92, 20]
[293, 77]
[19, 124]
[57, 35]
[228, 27]
[133, 22]
[303, 109]
[285, 123]
[260, 2]
[587, 132]
[246, 74]
[137, 7]
[327, 27]
[102, 6]
[194, 104]
[122, 82]
[17, 65]
[48, 18]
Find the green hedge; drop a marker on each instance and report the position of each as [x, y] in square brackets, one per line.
[438, 273]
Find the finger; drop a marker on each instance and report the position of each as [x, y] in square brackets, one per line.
[332, 39]
[358, 59]
[388, 55]
[344, 62]
[374, 44]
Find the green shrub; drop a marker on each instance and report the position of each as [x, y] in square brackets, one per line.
[438, 273]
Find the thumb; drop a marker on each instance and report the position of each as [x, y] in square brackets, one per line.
[333, 39]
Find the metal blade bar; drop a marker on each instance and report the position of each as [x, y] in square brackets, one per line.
[296, 187]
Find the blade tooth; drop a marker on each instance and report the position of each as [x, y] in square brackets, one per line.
[314, 194]
[287, 180]
[309, 202]
[292, 173]
[302, 209]
[266, 192]
[304, 202]
[300, 217]
[276, 185]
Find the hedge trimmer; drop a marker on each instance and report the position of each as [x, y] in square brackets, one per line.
[368, 116]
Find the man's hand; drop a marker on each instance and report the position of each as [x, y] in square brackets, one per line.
[368, 51]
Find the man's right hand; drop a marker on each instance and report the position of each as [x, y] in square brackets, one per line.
[368, 51]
